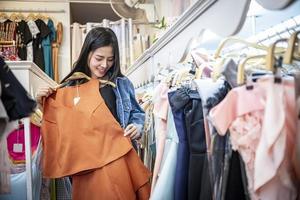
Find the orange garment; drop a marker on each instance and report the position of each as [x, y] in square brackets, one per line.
[86, 142]
[55, 48]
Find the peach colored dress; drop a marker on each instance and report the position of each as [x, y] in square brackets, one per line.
[86, 142]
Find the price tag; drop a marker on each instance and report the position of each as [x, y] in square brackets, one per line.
[76, 100]
[18, 147]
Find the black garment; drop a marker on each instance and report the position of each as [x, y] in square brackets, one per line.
[199, 186]
[228, 173]
[24, 37]
[17, 102]
[235, 188]
[38, 55]
[109, 97]
[221, 149]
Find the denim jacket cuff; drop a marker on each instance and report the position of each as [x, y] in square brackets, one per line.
[139, 129]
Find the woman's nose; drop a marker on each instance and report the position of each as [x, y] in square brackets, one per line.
[104, 64]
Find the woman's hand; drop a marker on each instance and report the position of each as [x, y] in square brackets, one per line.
[132, 131]
[42, 93]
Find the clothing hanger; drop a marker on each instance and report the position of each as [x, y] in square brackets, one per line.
[31, 16]
[190, 45]
[237, 40]
[3, 17]
[81, 75]
[20, 16]
[270, 57]
[290, 52]
[13, 17]
[40, 16]
[221, 60]
[241, 67]
[36, 117]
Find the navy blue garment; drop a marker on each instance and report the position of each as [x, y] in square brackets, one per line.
[199, 186]
[181, 173]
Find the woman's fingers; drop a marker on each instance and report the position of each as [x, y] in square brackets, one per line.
[131, 131]
[43, 92]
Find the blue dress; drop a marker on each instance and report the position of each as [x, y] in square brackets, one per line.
[47, 50]
[164, 188]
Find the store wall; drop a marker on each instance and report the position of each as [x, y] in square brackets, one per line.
[171, 8]
[64, 52]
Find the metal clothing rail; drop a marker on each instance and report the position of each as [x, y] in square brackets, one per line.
[32, 10]
[268, 36]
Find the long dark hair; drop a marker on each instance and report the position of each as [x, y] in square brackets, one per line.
[96, 38]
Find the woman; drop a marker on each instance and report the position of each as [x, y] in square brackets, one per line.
[109, 164]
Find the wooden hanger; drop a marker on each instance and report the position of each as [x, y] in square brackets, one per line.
[3, 16]
[270, 57]
[13, 17]
[40, 16]
[290, 52]
[237, 40]
[31, 16]
[20, 16]
[241, 67]
[81, 75]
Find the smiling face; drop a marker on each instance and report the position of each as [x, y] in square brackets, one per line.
[100, 61]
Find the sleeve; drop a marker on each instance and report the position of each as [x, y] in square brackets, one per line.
[137, 115]
[27, 34]
[222, 115]
[161, 103]
[45, 31]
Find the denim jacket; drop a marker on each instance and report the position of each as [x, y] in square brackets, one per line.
[128, 109]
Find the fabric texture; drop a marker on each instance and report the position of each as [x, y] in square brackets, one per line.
[17, 137]
[17, 102]
[98, 150]
[47, 49]
[177, 100]
[128, 109]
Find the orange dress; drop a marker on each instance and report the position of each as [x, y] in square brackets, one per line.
[86, 142]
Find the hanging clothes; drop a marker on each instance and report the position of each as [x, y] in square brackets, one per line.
[38, 54]
[34, 30]
[47, 49]
[17, 137]
[16, 100]
[23, 38]
[111, 162]
[164, 187]
[249, 114]
[76, 42]
[182, 165]
[19, 180]
[3, 114]
[160, 112]
[55, 50]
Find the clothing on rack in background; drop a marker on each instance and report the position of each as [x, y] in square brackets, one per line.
[31, 40]
[76, 42]
[55, 50]
[47, 49]
[17, 104]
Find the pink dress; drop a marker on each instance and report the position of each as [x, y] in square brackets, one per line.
[261, 123]
[17, 136]
[160, 112]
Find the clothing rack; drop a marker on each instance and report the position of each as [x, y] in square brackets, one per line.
[123, 49]
[281, 30]
[32, 11]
